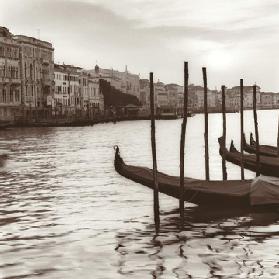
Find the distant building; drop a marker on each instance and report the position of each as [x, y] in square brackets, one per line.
[234, 97]
[10, 82]
[196, 98]
[173, 91]
[125, 81]
[276, 100]
[95, 98]
[75, 90]
[66, 88]
[145, 94]
[268, 99]
[160, 96]
[37, 65]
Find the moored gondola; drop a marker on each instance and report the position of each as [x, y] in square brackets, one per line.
[265, 150]
[230, 193]
[268, 165]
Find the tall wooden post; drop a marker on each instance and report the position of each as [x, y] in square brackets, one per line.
[224, 169]
[206, 155]
[278, 140]
[256, 130]
[182, 141]
[241, 128]
[153, 145]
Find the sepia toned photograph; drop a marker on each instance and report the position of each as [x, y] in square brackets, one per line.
[139, 139]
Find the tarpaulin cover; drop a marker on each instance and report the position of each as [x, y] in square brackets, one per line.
[264, 190]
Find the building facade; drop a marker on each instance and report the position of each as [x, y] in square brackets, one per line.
[10, 81]
[75, 91]
[37, 70]
[65, 96]
[234, 97]
[125, 81]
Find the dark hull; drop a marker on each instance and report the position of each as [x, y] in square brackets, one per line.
[268, 165]
[233, 193]
[265, 150]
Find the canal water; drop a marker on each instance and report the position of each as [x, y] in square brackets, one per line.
[66, 213]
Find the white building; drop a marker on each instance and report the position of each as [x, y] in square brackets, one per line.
[66, 94]
[75, 90]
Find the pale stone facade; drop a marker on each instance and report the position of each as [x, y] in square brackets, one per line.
[95, 98]
[145, 93]
[10, 82]
[75, 89]
[234, 97]
[37, 67]
[66, 89]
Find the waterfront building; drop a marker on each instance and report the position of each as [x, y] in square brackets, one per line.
[275, 100]
[145, 94]
[10, 82]
[95, 98]
[83, 91]
[65, 96]
[234, 97]
[125, 81]
[268, 100]
[91, 97]
[172, 91]
[37, 65]
[196, 98]
[160, 97]
[75, 90]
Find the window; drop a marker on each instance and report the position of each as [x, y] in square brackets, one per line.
[2, 70]
[11, 96]
[31, 71]
[1, 51]
[4, 96]
[16, 95]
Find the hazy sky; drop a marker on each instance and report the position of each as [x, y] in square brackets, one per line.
[233, 38]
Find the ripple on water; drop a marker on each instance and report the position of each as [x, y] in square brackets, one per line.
[65, 212]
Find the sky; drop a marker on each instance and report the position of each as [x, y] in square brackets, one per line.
[232, 39]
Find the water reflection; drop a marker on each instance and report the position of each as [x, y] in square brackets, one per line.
[66, 213]
[213, 244]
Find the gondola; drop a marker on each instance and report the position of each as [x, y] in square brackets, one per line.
[265, 150]
[268, 165]
[222, 194]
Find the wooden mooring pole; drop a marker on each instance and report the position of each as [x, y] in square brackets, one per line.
[153, 145]
[256, 129]
[182, 142]
[224, 169]
[206, 155]
[278, 140]
[241, 128]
